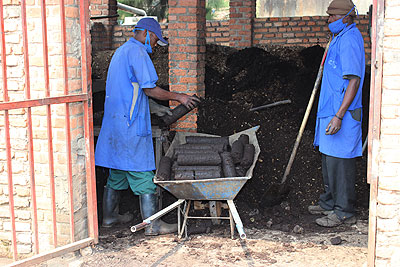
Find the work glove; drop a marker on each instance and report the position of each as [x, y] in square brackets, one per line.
[158, 109]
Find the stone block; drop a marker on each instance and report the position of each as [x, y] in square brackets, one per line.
[388, 225]
[391, 182]
[24, 238]
[24, 249]
[388, 197]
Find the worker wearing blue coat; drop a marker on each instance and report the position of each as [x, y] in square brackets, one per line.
[125, 143]
[338, 126]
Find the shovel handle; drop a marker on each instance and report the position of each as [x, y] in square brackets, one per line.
[138, 227]
[306, 115]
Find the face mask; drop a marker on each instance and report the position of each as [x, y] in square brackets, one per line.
[337, 26]
[147, 42]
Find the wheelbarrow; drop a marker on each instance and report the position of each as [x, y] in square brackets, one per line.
[216, 189]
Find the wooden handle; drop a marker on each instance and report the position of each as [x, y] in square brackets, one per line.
[306, 115]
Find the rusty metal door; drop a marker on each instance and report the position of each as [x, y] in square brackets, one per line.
[16, 11]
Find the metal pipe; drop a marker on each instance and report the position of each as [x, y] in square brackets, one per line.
[67, 122]
[43, 101]
[30, 131]
[7, 135]
[132, 10]
[236, 218]
[49, 123]
[272, 105]
[155, 216]
[105, 17]
[88, 122]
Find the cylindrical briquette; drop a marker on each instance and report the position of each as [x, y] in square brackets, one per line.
[177, 113]
[215, 147]
[237, 151]
[240, 171]
[244, 138]
[227, 165]
[197, 168]
[164, 168]
[184, 175]
[210, 174]
[207, 140]
[248, 156]
[210, 159]
[191, 151]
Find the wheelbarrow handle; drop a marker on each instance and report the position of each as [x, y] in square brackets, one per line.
[155, 216]
[139, 226]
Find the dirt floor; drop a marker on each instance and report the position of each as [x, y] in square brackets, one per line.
[279, 230]
[263, 247]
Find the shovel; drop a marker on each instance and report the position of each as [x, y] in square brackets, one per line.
[275, 193]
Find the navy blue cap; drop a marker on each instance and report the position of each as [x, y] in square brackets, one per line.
[153, 26]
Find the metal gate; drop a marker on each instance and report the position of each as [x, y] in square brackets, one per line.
[26, 103]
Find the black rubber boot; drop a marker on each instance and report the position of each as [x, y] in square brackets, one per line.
[110, 208]
[148, 207]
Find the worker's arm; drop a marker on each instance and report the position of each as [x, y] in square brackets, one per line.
[351, 91]
[161, 94]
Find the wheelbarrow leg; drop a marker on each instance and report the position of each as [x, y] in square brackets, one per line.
[236, 218]
[231, 224]
[181, 212]
[184, 226]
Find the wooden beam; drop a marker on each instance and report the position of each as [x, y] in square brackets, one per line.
[54, 253]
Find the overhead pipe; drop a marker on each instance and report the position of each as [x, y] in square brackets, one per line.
[132, 10]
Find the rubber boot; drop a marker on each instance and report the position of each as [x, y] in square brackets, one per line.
[111, 214]
[148, 207]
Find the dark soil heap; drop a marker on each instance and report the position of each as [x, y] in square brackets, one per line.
[237, 80]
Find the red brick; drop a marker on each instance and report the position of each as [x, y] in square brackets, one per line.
[188, 80]
[178, 88]
[177, 10]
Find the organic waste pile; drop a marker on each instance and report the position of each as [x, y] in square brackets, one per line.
[238, 80]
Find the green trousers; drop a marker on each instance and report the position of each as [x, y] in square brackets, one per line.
[139, 182]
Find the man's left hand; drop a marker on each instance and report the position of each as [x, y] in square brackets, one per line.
[333, 126]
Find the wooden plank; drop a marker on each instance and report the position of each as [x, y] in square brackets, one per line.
[54, 253]
[375, 123]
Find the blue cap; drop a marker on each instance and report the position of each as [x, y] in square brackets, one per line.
[152, 25]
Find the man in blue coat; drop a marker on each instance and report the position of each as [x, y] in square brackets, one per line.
[338, 126]
[125, 144]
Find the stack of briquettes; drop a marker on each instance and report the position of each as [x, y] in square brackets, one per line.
[203, 157]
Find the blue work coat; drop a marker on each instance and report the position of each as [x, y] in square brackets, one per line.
[125, 140]
[345, 57]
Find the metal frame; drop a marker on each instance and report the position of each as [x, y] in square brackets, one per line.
[47, 101]
[233, 218]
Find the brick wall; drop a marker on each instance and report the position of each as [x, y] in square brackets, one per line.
[303, 31]
[388, 158]
[187, 48]
[217, 32]
[16, 85]
[101, 29]
[241, 18]
[296, 31]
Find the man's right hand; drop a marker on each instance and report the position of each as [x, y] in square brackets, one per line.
[188, 101]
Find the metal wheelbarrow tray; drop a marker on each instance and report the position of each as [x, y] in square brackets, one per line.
[209, 189]
[224, 189]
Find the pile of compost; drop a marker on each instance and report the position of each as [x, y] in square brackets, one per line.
[238, 80]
